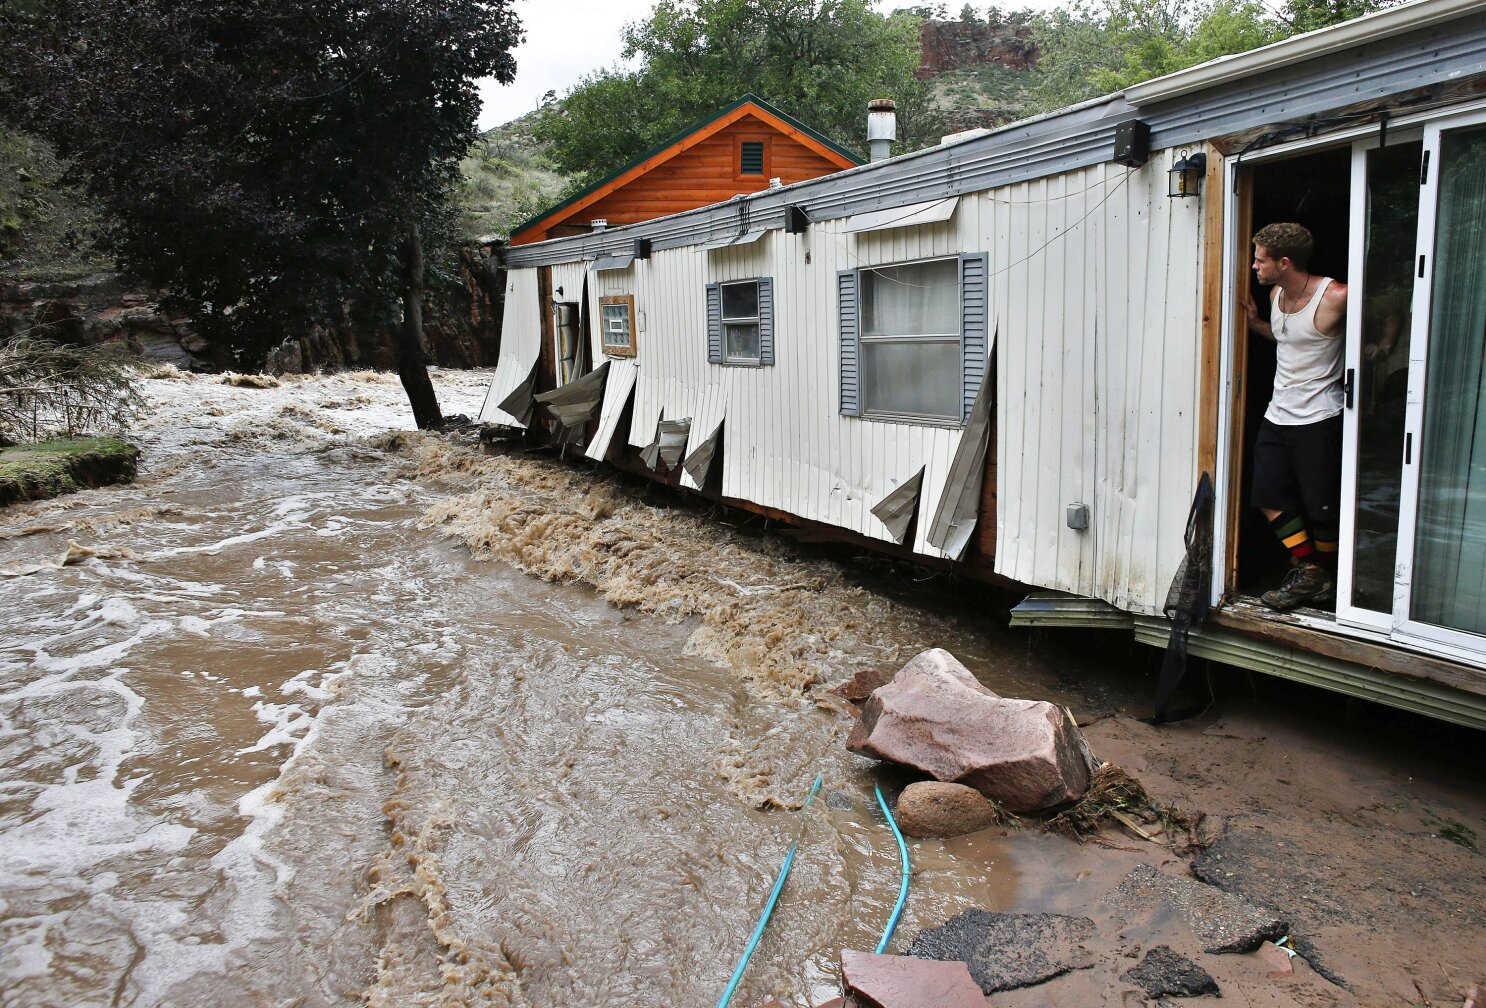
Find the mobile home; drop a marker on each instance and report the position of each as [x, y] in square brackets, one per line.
[1019, 351]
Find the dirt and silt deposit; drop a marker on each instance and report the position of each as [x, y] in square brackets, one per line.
[315, 714]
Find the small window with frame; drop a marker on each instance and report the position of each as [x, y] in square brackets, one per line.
[740, 323]
[617, 324]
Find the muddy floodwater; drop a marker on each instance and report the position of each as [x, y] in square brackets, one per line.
[323, 711]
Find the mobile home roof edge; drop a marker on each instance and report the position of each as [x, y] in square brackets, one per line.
[1299, 48]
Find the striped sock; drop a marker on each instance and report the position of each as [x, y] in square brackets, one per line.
[1289, 527]
[1326, 536]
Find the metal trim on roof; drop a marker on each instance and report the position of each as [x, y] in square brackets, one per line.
[733, 241]
[617, 262]
[911, 215]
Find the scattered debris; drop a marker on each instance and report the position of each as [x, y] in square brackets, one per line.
[73, 554]
[1115, 796]
[936, 718]
[1475, 997]
[939, 809]
[258, 381]
[1005, 951]
[884, 981]
[1164, 973]
[1221, 921]
[1275, 959]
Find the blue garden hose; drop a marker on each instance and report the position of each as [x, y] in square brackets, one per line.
[758, 932]
[892, 922]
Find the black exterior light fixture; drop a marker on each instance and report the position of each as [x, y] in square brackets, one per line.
[1185, 177]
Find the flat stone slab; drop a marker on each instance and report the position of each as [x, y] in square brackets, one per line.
[1005, 951]
[1221, 921]
[1164, 973]
[882, 981]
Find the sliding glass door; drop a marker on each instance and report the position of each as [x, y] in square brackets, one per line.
[1440, 591]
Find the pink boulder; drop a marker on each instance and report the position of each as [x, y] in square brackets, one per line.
[936, 718]
[883, 981]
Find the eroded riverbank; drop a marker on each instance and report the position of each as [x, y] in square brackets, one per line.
[336, 717]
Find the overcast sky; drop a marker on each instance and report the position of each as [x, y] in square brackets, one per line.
[566, 39]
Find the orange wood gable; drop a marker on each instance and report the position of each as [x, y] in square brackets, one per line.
[699, 169]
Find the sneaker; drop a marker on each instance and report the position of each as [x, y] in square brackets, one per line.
[1306, 582]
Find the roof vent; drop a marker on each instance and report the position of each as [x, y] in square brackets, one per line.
[882, 127]
[599, 224]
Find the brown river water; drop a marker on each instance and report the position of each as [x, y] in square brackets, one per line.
[283, 741]
[318, 714]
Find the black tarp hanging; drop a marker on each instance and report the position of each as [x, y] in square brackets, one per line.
[1187, 601]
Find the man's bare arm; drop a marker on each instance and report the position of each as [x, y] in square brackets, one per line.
[1331, 314]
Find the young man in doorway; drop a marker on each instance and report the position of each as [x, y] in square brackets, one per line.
[1298, 456]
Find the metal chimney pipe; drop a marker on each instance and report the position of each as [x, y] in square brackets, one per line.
[882, 127]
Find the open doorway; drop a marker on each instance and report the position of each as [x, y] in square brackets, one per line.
[1313, 190]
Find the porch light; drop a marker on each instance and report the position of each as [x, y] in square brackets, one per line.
[1185, 177]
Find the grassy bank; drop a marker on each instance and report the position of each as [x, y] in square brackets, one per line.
[49, 468]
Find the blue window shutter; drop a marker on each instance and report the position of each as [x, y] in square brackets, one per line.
[766, 320]
[974, 312]
[714, 323]
[851, 343]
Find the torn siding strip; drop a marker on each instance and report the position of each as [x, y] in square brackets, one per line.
[910, 215]
[959, 505]
[699, 463]
[577, 402]
[619, 385]
[897, 508]
[521, 402]
[669, 443]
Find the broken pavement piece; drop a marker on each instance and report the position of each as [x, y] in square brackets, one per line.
[1005, 951]
[885, 981]
[1221, 921]
[936, 718]
[1164, 973]
[937, 809]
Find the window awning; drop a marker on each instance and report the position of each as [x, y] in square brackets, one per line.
[909, 215]
[617, 262]
[732, 241]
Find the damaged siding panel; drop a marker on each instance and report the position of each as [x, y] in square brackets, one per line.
[521, 337]
[617, 389]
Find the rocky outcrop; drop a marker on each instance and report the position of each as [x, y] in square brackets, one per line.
[936, 718]
[937, 809]
[100, 308]
[953, 45]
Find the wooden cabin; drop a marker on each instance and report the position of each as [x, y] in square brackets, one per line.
[1019, 352]
[737, 150]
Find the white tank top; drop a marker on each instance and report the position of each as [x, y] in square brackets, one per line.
[1308, 366]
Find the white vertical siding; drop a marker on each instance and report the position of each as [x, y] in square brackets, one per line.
[521, 337]
[1093, 306]
[1097, 288]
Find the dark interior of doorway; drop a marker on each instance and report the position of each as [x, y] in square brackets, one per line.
[1313, 190]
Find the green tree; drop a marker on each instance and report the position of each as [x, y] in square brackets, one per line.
[1099, 46]
[267, 162]
[819, 60]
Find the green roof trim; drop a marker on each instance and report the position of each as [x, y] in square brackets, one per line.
[747, 99]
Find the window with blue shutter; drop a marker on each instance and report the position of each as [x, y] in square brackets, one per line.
[914, 338]
[740, 322]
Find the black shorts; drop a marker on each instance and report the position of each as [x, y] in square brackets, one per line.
[1299, 468]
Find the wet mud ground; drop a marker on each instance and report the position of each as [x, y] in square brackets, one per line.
[319, 714]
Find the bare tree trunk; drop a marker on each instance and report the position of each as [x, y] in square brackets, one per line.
[412, 363]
